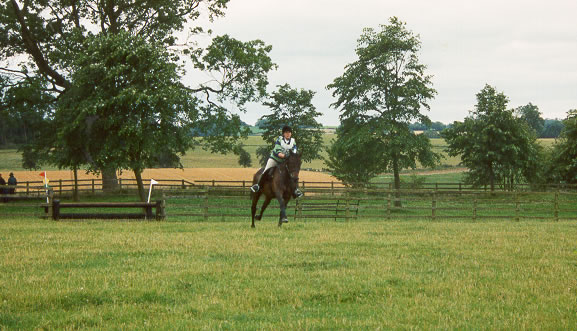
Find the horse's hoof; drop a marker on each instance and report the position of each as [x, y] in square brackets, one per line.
[284, 220]
[257, 218]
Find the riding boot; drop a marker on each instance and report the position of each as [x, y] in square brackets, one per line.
[256, 187]
[297, 193]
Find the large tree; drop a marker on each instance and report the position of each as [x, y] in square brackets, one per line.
[62, 43]
[293, 107]
[379, 95]
[496, 146]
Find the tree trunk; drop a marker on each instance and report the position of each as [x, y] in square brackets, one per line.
[75, 191]
[512, 182]
[109, 180]
[491, 178]
[141, 192]
[396, 174]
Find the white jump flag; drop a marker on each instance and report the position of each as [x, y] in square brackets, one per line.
[152, 182]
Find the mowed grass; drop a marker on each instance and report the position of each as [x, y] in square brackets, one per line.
[314, 275]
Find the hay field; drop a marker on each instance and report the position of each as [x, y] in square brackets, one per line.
[189, 174]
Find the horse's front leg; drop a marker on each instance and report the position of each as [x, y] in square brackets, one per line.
[263, 208]
[282, 217]
[253, 207]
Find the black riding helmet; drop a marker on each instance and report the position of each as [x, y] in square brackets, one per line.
[287, 128]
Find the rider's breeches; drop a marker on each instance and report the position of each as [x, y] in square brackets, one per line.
[271, 163]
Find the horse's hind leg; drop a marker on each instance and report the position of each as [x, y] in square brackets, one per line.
[263, 208]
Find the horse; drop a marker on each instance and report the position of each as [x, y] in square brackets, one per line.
[279, 182]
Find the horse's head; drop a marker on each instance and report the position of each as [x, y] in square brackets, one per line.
[293, 163]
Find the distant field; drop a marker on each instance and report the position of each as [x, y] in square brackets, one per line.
[10, 159]
[314, 275]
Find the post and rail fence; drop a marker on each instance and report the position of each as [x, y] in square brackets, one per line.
[209, 200]
[93, 186]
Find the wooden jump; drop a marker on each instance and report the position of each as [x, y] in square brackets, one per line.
[56, 206]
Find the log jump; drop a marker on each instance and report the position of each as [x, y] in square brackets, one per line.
[56, 210]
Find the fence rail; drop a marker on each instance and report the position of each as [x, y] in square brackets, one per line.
[66, 186]
[221, 202]
[189, 200]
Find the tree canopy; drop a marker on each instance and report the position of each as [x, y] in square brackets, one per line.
[114, 72]
[496, 146]
[531, 114]
[292, 107]
[564, 160]
[380, 94]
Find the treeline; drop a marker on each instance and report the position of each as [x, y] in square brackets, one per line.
[549, 128]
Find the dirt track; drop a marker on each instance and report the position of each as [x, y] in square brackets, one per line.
[189, 174]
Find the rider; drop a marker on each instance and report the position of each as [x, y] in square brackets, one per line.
[283, 146]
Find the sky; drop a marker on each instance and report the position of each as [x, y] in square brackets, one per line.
[526, 49]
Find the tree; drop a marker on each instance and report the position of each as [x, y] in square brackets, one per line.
[379, 95]
[564, 155]
[531, 114]
[244, 159]
[552, 128]
[293, 107]
[495, 145]
[52, 40]
[353, 157]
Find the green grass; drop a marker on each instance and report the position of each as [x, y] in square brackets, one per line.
[315, 275]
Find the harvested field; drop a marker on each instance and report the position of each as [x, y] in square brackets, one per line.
[189, 174]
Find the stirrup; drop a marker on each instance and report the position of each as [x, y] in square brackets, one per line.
[255, 188]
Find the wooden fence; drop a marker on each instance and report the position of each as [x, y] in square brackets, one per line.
[226, 202]
[91, 186]
[190, 201]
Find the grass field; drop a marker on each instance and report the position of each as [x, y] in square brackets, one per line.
[316, 275]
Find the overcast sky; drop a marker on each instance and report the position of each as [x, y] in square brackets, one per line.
[526, 49]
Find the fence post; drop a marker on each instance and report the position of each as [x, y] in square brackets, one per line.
[213, 183]
[93, 186]
[475, 196]
[516, 206]
[160, 209]
[296, 209]
[244, 184]
[27, 188]
[206, 204]
[556, 205]
[389, 206]
[56, 210]
[347, 211]
[434, 205]
[60, 186]
[120, 184]
[183, 187]
[332, 188]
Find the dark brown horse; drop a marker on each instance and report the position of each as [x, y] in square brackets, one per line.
[279, 182]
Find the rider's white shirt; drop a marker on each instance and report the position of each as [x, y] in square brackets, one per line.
[287, 145]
